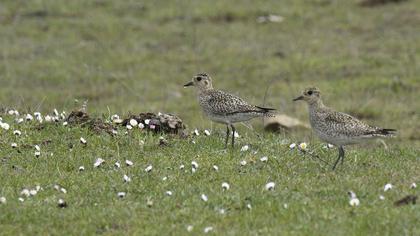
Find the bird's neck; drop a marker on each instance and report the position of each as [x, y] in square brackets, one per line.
[316, 105]
[201, 91]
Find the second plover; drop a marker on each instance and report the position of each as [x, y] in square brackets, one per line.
[222, 107]
[338, 128]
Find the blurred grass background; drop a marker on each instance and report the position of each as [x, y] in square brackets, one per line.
[134, 56]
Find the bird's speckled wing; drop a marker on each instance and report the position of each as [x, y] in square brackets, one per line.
[345, 124]
[219, 102]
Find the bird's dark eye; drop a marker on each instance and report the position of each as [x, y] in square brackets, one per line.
[198, 78]
[310, 92]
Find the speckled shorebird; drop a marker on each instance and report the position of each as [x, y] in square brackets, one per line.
[222, 107]
[338, 128]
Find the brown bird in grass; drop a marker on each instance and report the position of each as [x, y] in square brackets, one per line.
[338, 128]
[222, 107]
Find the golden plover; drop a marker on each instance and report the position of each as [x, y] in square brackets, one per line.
[338, 128]
[222, 107]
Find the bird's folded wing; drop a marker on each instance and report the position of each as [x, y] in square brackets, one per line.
[347, 124]
[224, 104]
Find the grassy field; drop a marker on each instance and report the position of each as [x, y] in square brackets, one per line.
[132, 56]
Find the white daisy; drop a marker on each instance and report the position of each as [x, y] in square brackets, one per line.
[264, 159]
[133, 122]
[129, 163]
[225, 186]
[244, 148]
[98, 162]
[194, 164]
[354, 202]
[303, 146]
[83, 141]
[292, 146]
[208, 229]
[127, 179]
[387, 187]
[270, 186]
[148, 168]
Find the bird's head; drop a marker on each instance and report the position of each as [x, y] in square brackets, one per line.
[201, 81]
[310, 95]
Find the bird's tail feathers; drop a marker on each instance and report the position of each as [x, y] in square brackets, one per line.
[269, 112]
[383, 132]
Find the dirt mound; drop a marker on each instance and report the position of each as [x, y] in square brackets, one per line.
[166, 123]
[78, 117]
[151, 122]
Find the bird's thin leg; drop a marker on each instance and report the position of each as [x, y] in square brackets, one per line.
[341, 149]
[340, 155]
[233, 135]
[227, 136]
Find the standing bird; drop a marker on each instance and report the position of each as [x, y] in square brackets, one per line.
[222, 107]
[338, 128]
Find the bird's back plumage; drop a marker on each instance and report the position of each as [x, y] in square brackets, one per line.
[229, 108]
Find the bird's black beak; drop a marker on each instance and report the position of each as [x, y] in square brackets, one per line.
[188, 84]
[298, 98]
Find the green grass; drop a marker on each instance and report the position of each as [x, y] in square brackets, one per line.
[131, 56]
[316, 197]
